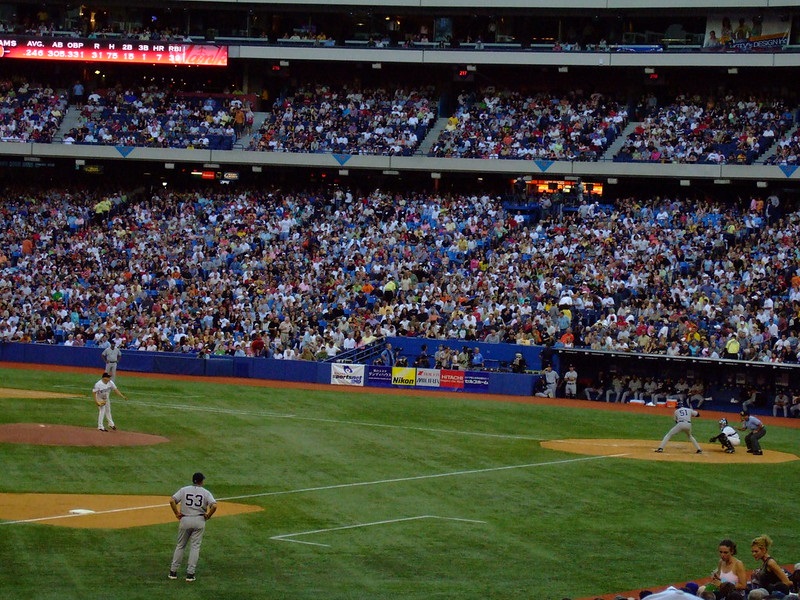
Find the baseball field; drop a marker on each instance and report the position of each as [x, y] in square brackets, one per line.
[355, 494]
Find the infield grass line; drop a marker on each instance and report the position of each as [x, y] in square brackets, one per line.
[233, 411]
[330, 487]
[286, 537]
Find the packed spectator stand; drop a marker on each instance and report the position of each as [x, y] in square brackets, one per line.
[315, 273]
[152, 117]
[512, 124]
[727, 130]
[29, 112]
[349, 119]
[346, 120]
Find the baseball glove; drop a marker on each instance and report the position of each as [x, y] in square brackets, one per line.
[100, 402]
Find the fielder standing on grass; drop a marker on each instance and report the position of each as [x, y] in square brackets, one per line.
[193, 505]
[683, 422]
[102, 398]
[111, 355]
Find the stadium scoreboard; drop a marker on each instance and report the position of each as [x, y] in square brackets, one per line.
[113, 50]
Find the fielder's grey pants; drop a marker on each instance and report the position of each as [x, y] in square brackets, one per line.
[685, 428]
[190, 530]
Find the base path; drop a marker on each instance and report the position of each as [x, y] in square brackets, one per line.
[674, 452]
[97, 511]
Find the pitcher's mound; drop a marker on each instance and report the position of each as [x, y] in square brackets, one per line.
[674, 451]
[45, 434]
[35, 394]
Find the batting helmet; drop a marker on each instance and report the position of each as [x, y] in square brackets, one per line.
[723, 422]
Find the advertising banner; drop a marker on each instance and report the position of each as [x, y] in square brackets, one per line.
[475, 381]
[428, 377]
[452, 379]
[406, 376]
[746, 31]
[379, 376]
[345, 374]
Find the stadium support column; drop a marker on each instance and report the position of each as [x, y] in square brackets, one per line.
[246, 87]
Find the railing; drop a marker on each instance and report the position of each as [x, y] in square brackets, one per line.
[362, 356]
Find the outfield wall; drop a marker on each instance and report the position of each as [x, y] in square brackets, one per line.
[281, 370]
[726, 379]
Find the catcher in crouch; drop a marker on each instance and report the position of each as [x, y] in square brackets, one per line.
[728, 436]
[102, 397]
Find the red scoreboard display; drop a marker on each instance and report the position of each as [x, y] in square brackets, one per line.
[113, 50]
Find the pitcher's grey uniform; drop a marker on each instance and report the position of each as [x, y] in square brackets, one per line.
[683, 422]
[197, 505]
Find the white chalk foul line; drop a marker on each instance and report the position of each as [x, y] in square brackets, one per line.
[73, 515]
[332, 487]
[286, 537]
[422, 477]
[211, 409]
[232, 411]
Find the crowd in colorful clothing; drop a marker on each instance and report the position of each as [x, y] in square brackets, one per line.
[315, 273]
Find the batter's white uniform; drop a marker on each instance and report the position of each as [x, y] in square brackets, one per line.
[102, 391]
[683, 422]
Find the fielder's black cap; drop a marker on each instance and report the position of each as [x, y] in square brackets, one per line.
[105, 375]
[198, 478]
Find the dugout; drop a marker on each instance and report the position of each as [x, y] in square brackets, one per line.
[725, 380]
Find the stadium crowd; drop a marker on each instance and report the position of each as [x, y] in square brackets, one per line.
[320, 118]
[29, 112]
[787, 152]
[495, 124]
[302, 274]
[152, 117]
[729, 130]
[511, 124]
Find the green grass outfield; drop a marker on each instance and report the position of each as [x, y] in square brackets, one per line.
[369, 472]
